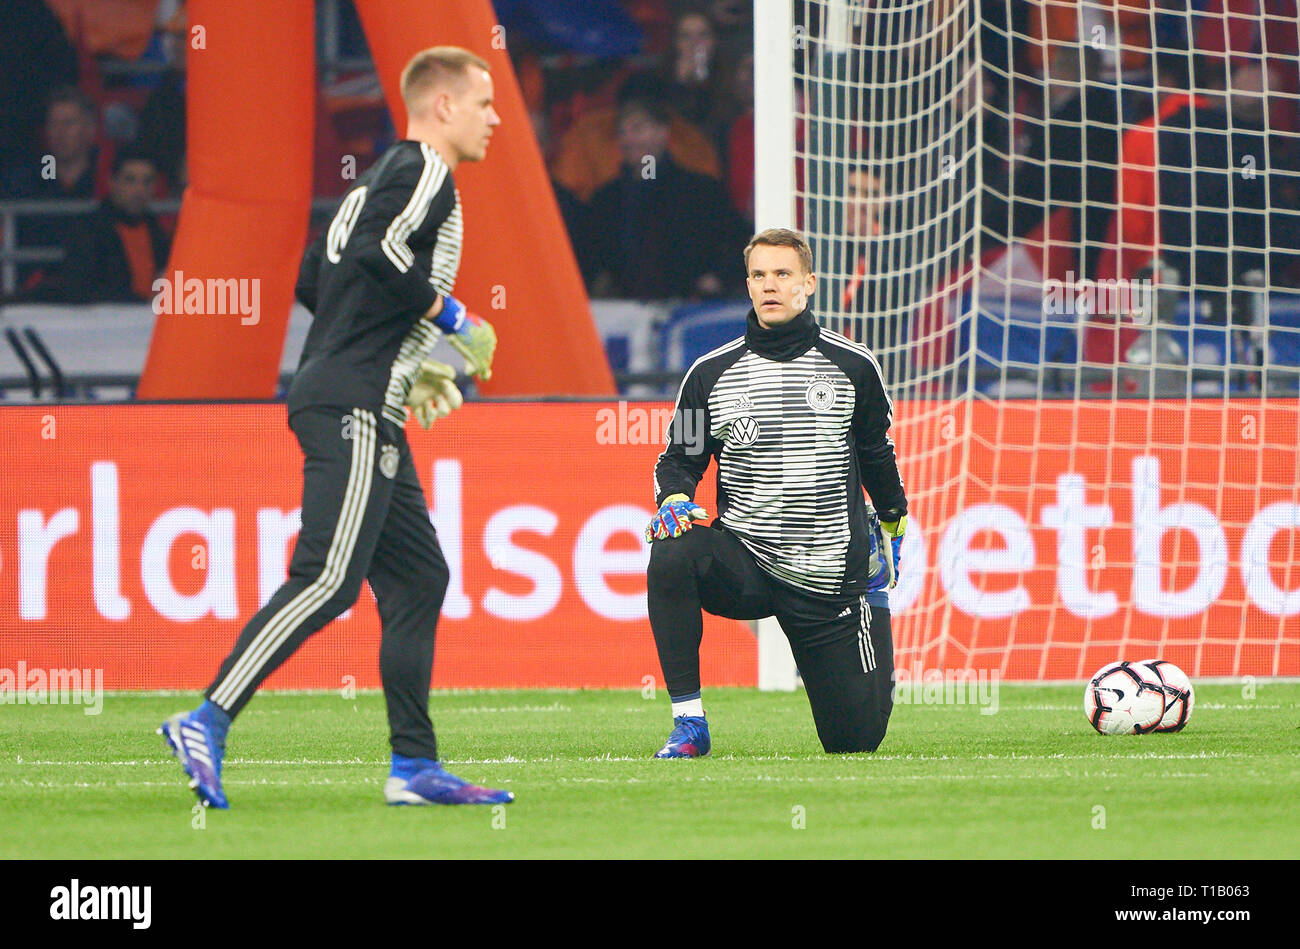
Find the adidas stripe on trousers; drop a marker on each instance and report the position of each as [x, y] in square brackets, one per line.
[842, 645]
[364, 517]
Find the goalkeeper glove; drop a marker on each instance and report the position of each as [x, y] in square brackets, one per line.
[674, 518]
[471, 336]
[433, 395]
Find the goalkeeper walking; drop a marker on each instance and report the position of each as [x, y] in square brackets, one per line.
[798, 419]
[379, 282]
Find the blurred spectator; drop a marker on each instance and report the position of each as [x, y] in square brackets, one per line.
[588, 156]
[1121, 33]
[736, 15]
[1073, 154]
[690, 72]
[1120, 30]
[1131, 237]
[116, 251]
[162, 130]
[35, 57]
[866, 218]
[1258, 32]
[121, 28]
[1213, 187]
[68, 169]
[658, 231]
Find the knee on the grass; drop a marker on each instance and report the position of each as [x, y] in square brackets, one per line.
[852, 747]
[847, 743]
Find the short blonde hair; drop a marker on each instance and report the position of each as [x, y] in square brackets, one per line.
[437, 66]
[782, 237]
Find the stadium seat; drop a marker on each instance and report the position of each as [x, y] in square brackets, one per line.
[694, 329]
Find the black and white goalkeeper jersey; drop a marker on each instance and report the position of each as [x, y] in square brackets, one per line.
[391, 250]
[798, 419]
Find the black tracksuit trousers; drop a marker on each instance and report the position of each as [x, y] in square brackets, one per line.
[842, 645]
[364, 517]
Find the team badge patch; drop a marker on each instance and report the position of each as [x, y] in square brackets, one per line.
[388, 461]
[744, 431]
[820, 395]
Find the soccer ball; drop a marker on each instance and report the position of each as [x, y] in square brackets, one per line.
[1179, 696]
[1125, 698]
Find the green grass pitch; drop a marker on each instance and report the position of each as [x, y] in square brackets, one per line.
[304, 774]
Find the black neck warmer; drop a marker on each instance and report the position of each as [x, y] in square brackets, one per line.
[785, 342]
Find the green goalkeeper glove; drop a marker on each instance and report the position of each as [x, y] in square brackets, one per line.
[433, 395]
[471, 336]
[476, 341]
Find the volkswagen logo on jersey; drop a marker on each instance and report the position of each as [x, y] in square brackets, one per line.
[820, 395]
[743, 432]
[388, 461]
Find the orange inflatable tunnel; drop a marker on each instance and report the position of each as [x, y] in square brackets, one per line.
[244, 215]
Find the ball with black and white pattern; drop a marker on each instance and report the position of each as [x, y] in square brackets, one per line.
[1125, 698]
[1179, 694]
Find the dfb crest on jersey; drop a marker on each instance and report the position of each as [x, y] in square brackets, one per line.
[388, 461]
[820, 394]
[743, 432]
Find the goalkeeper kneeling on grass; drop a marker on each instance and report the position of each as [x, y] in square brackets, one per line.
[798, 419]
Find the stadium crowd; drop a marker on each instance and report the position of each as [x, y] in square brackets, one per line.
[644, 110]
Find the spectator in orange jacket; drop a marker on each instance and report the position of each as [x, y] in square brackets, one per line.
[589, 156]
[116, 251]
[658, 231]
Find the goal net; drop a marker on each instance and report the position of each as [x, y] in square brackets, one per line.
[1068, 230]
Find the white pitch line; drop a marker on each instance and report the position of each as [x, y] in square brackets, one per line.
[864, 762]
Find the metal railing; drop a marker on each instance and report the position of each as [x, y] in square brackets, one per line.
[12, 255]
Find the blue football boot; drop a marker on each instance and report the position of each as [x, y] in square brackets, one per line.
[424, 781]
[199, 751]
[690, 738]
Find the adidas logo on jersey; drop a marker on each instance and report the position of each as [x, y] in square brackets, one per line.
[847, 611]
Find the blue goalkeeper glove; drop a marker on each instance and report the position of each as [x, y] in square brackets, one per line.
[886, 552]
[471, 336]
[674, 518]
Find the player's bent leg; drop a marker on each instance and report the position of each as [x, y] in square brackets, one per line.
[848, 672]
[703, 570]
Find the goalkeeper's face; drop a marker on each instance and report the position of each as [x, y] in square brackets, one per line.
[778, 285]
[471, 117]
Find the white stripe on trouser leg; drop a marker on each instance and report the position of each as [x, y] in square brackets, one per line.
[867, 651]
[281, 626]
[290, 617]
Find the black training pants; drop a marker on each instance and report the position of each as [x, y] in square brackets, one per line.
[364, 517]
[842, 644]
